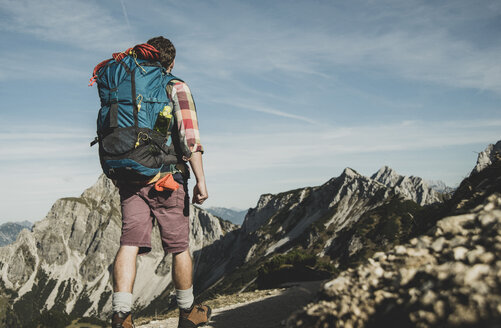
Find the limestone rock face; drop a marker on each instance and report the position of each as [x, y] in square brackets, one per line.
[68, 255]
[491, 154]
[411, 187]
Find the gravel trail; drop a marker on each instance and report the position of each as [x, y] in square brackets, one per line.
[268, 312]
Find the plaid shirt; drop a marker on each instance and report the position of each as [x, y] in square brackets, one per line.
[185, 116]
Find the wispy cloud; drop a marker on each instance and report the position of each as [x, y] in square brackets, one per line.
[299, 148]
[413, 41]
[53, 144]
[126, 16]
[49, 65]
[83, 25]
[257, 107]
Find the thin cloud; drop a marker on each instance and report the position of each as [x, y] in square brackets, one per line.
[49, 65]
[412, 41]
[240, 103]
[278, 149]
[55, 146]
[84, 25]
[126, 16]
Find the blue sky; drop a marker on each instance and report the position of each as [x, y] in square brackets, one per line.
[289, 93]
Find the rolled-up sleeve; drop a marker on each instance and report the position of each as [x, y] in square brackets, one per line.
[185, 115]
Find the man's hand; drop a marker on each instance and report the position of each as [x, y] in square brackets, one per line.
[200, 193]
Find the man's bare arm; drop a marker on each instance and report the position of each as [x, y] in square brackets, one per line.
[200, 190]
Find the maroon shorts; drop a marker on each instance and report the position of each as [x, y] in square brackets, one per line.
[141, 205]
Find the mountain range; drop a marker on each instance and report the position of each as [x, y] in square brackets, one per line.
[10, 230]
[60, 270]
[235, 216]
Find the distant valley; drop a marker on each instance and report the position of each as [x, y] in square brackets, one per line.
[10, 230]
[235, 216]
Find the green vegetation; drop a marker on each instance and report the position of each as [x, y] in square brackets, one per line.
[53, 319]
[81, 305]
[377, 230]
[102, 300]
[297, 265]
[87, 322]
[287, 218]
[27, 309]
[239, 278]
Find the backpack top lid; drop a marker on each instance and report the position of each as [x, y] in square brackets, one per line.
[142, 51]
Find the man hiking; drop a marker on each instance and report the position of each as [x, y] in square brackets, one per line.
[164, 196]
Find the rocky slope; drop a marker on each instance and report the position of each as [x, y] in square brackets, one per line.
[62, 267]
[10, 230]
[309, 233]
[490, 155]
[448, 275]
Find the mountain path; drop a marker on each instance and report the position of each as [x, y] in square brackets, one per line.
[267, 312]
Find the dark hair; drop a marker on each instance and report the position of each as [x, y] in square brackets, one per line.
[166, 49]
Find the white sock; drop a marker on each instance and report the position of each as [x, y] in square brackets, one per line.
[185, 298]
[122, 302]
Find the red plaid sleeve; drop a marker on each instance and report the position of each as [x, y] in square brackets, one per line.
[186, 118]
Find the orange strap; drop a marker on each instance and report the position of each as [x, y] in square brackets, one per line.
[167, 182]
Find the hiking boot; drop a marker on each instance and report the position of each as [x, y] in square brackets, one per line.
[122, 320]
[198, 315]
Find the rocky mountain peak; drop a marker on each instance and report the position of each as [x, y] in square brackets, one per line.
[349, 172]
[386, 175]
[487, 157]
[103, 188]
[412, 187]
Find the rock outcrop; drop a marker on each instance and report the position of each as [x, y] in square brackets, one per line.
[491, 154]
[414, 188]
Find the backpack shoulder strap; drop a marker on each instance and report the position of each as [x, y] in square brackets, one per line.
[170, 81]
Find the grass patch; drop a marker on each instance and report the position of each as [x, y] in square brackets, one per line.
[297, 265]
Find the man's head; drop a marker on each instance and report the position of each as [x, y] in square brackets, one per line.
[166, 49]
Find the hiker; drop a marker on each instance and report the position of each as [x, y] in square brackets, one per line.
[163, 197]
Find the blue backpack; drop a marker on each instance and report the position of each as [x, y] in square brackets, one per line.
[133, 97]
